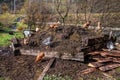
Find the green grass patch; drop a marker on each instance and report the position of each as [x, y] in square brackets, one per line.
[54, 77]
[5, 37]
[7, 78]
[118, 69]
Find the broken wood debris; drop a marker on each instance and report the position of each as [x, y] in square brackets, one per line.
[88, 70]
[46, 69]
[109, 67]
[113, 51]
[106, 61]
[95, 64]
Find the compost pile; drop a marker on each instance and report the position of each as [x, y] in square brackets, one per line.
[69, 39]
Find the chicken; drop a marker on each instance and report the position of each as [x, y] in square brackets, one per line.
[55, 25]
[47, 41]
[37, 29]
[25, 41]
[99, 26]
[39, 56]
[87, 24]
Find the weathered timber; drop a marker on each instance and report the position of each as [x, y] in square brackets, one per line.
[103, 60]
[117, 60]
[95, 64]
[112, 51]
[94, 53]
[77, 56]
[104, 54]
[109, 67]
[108, 53]
[113, 54]
[88, 70]
[46, 69]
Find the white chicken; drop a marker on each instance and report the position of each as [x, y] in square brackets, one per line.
[47, 41]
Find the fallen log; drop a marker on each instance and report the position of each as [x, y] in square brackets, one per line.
[109, 67]
[46, 69]
[88, 70]
[95, 64]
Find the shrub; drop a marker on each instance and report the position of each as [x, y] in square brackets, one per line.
[21, 26]
[7, 19]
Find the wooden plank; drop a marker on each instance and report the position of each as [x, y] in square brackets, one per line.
[95, 64]
[51, 54]
[114, 54]
[46, 69]
[108, 59]
[88, 70]
[117, 60]
[94, 53]
[108, 53]
[109, 67]
[112, 51]
[108, 76]
[102, 60]
[104, 54]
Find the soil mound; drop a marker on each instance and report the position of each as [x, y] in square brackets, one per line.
[69, 39]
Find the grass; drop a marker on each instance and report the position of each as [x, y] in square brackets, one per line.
[5, 37]
[54, 77]
[7, 78]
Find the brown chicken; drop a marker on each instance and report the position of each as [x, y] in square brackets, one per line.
[87, 24]
[55, 25]
[39, 56]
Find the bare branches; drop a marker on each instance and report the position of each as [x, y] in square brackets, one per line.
[63, 10]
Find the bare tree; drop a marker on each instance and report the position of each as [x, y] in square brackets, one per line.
[37, 14]
[62, 10]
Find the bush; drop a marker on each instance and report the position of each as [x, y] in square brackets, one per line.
[21, 26]
[7, 19]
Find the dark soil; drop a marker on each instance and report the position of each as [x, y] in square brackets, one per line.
[25, 68]
[63, 39]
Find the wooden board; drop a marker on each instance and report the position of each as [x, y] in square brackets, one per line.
[68, 56]
[112, 51]
[95, 64]
[46, 69]
[103, 60]
[88, 70]
[109, 67]
[94, 53]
